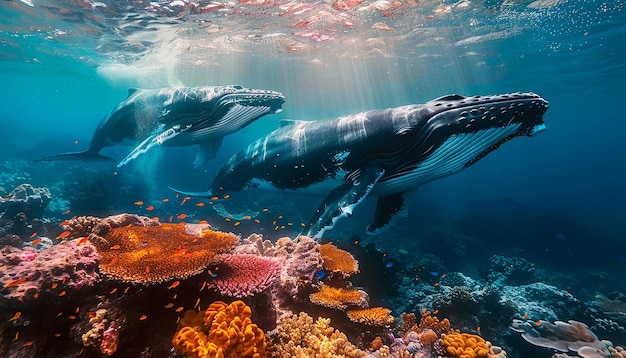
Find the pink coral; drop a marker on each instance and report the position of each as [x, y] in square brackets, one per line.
[110, 339]
[241, 275]
[24, 273]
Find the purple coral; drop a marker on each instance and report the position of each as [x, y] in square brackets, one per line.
[25, 272]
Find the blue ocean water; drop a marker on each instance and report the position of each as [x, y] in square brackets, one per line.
[556, 199]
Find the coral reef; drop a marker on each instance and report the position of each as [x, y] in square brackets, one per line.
[227, 331]
[66, 267]
[25, 199]
[300, 336]
[103, 335]
[465, 345]
[241, 275]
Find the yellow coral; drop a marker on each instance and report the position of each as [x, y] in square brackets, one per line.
[337, 260]
[375, 316]
[298, 336]
[339, 298]
[227, 332]
[465, 345]
[154, 254]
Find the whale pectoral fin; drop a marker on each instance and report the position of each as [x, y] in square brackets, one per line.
[343, 199]
[388, 207]
[157, 138]
[207, 152]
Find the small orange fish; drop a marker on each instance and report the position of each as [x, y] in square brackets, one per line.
[302, 224]
[65, 223]
[185, 199]
[82, 240]
[71, 317]
[197, 303]
[179, 309]
[257, 221]
[139, 202]
[113, 261]
[57, 335]
[154, 218]
[60, 314]
[35, 242]
[215, 198]
[14, 282]
[33, 235]
[226, 197]
[436, 284]
[171, 217]
[66, 212]
[143, 317]
[443, 276]
[203, 286]
[63, 235]
[166, 200]
[203, 222]
[113, 290]
[265, 210]
[280, 217]
[174, 285]
[182, 216]
[538, 323]
[115, 247]
[525, 316]
[126, 289]
[92, 314]
[150, 208]
[62, 293]
[169, 305]
[54, 285]
[17, 335]
[478, 329]
[227, 219]
[16, 316]
[181, 252]
[28, 344]
[247, 217]
[77, 309]
[274, 222]
[200, 205]
[147, 269]
[236, 223]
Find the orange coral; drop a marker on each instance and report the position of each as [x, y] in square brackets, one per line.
[465, 345]
[339, 298]
[337, 260]
[428, 337]
[375, 316]
[433, 323]
[154, 254]
[228, 332]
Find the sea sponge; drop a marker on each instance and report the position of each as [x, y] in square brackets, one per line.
[337, 260]
[375, 316]
[155, 254]
[338, 298]
[465, 345]
[227, 332]
[299, 336]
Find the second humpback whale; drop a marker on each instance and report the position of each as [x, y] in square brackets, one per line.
[178, 117]
[384, 153]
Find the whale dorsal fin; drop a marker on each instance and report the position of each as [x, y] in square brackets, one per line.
[289, 122]
[132, 91]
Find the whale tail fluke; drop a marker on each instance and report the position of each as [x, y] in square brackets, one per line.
[86, 155]
[201, 194]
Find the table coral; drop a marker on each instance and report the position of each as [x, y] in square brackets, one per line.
[227, 332]
[155, 254]
[375, 316]
[300, 336]
[241, 275]
[337, 260]
[339, 298]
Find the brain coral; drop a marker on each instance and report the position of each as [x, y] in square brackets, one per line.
[227, 332]
[299, 336]
[154, 254]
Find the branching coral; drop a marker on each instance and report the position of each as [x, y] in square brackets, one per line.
[299, 336]
[227, 332]
[337, 260]
[339, 298]
[154, 254]
[375, 316]
[241, 275]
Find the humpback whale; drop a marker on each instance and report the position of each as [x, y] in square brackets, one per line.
[380, 153]
[178, 117]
